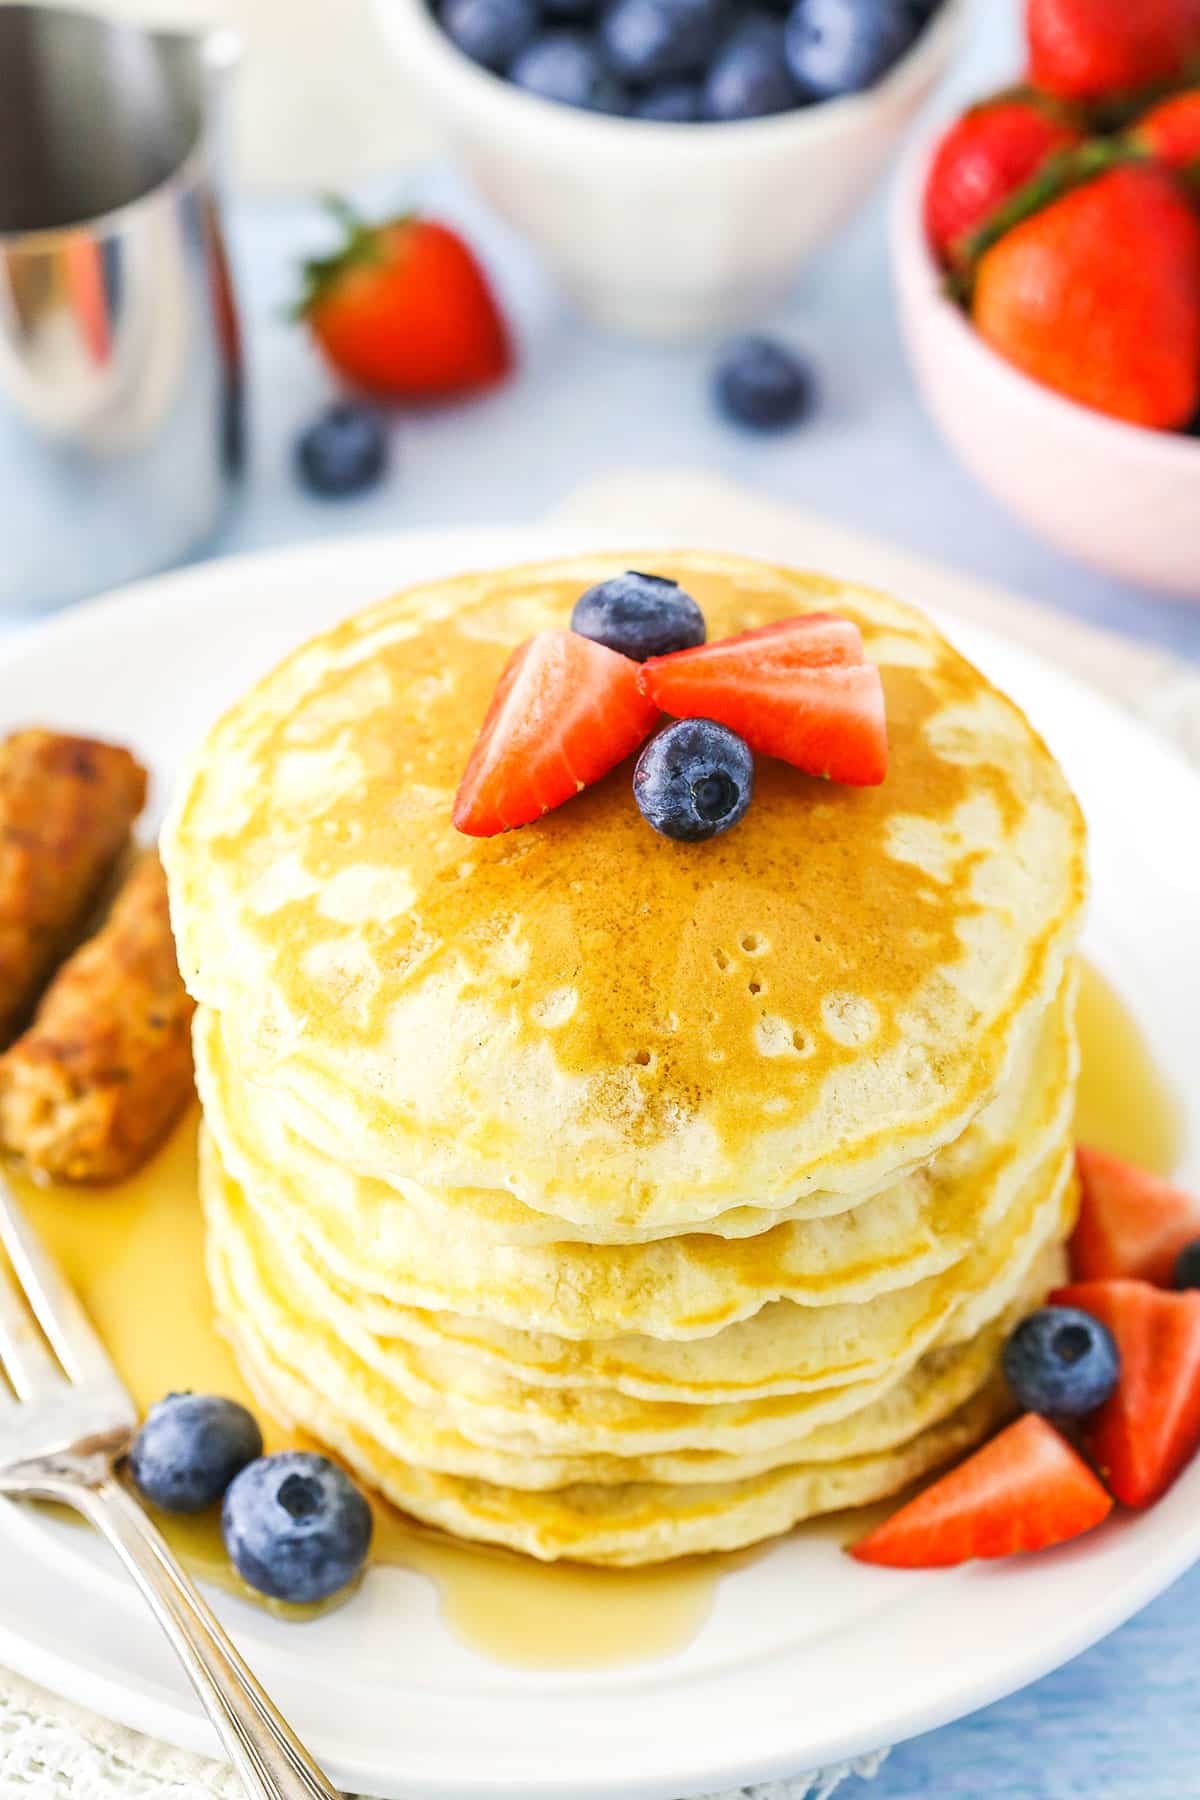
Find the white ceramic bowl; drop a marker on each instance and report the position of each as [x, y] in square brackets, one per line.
[1118, 496]
[666, 231]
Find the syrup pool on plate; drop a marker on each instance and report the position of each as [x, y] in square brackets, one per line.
[1124, 1103]
[136, 1255]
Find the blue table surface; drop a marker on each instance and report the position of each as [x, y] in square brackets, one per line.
[1121, 1720]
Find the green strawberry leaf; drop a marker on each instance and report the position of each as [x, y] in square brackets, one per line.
[1059, 175]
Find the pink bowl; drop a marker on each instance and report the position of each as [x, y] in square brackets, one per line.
[1120, 497]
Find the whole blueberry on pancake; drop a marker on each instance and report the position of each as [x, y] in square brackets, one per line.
[296, 1527]
[694, 780]
[639, 616]
[190, 1448]
[1061, 1361]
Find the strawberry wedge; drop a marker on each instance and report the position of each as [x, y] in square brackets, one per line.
[1026, 1490]
[1143, 1435]
[799, 690]
[1130, 1222]
[565, 711]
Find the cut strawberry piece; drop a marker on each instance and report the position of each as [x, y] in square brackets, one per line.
[565, 711]
[799, 690]
[1025, 1490]
[809, 641]
[1130, 1222]
[1141, 1438]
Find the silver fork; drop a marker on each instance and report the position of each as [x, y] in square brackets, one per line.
[63, 1428]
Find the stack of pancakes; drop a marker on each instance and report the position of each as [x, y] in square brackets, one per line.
[604, 1196]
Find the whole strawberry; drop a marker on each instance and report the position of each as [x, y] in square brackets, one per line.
[1098, 296]
[983, 158]
[403, 311]
[1170, 131]
[1097, 49]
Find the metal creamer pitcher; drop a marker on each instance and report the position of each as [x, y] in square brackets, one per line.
[120, 365]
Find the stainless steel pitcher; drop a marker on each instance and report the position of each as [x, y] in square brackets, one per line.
[120, 362]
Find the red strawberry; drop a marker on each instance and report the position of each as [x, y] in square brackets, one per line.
[984, 157]
[1094, 49]
[1141, 1438]
[1130, 1222]
[1098, 296]
[404, 311]
[1170, 131]
[565, 711]
[1025, 1490]
[799, 690]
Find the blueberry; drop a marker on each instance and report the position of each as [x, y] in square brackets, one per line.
[1061, 1361]
[570, 12]
[491, 32]
[296, 1527]
[694, 780]
[661, 40]
[344, 451]
[842, 46]
[761, 383]
[190, 1448]
[567, 66]
[1187, 1266]
[670, 102]
[639, 615]
[750, 76]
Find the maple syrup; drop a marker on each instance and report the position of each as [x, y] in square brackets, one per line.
[1124, 1104]
[136, 1255]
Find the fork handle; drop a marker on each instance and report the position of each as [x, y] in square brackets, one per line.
[268, 1756]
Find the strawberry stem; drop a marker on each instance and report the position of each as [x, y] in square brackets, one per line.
[362, 244]
[1059, 175]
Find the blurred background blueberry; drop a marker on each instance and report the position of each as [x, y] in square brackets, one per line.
[839, 47]
[655, 40]
[491, 32]
[749, 76]
[762, 384]
[671, 102]
[568, 66]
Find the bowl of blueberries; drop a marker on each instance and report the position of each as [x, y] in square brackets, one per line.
[676, 161]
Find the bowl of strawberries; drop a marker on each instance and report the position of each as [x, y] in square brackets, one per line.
[1046, 254]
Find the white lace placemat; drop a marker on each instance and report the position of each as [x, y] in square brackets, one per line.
[50, 1750]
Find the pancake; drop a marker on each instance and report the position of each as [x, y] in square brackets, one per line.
[689, 1286]
[598, 1195]
[446, 1432]
[766, 1370]
[626, 1524]
[629, 1034]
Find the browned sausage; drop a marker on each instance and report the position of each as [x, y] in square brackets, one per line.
[67, 805]
[106, 1066]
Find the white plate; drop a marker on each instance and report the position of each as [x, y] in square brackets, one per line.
[807, 1656]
